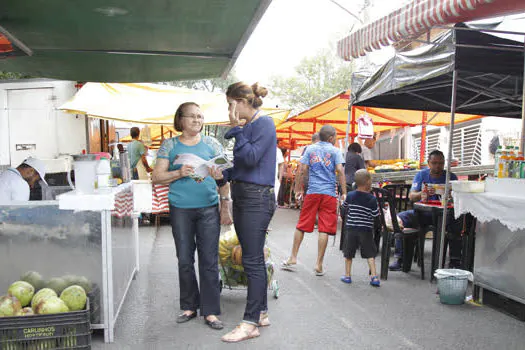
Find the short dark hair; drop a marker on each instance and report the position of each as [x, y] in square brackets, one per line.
[326, 132]
[315, 137]
[436, 153]
[179, 113]
[134, 132]
[355, 147]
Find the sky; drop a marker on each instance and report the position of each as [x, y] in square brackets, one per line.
[293, 29]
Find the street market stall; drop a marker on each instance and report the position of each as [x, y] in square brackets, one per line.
[91, 237]
[449, 74]
[500, 240]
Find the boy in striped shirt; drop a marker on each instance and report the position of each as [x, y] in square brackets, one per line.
[362, 209]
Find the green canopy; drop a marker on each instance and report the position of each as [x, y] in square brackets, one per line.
[127, 40]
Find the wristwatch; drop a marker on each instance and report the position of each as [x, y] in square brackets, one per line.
[224, 198]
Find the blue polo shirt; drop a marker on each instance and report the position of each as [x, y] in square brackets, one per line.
[423, 176]
[189, 192]
[322, 159]
[254, 152]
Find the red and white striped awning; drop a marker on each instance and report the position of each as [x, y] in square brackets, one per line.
[418, 17]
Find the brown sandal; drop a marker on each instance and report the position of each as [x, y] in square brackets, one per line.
[240, 333]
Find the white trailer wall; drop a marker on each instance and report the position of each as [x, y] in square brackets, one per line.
[31, 125]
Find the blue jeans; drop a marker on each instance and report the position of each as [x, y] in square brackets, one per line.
[454, 227]
[198, 228]
[253, 208]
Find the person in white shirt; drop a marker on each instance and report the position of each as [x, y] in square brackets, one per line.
[15, 184]
[278, 171]
[368, 144]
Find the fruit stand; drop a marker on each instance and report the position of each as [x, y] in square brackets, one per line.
[407, 175]
[93, 237]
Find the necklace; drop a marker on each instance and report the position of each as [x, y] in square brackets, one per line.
[254, 115]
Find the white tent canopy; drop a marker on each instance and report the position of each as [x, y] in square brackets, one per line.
[151, 103]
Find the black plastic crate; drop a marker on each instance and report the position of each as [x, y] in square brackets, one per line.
[70, 330]
[94, 304]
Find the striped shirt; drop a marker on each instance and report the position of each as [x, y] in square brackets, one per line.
[362, 211]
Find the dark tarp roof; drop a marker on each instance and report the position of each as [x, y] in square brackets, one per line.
[128, 40]
[490, 80]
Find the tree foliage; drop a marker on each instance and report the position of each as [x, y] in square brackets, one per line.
[316, 79]
[210, 85]
[13, 75]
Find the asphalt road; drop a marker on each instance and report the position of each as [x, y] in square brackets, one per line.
[312, 312]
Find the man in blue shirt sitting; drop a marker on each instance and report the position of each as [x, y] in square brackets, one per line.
[435, 174]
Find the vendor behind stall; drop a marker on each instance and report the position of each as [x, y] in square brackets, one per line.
[368, 145]
[137, 154]
[15, 184]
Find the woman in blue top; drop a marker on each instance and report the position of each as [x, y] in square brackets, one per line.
[194, 214]
[252, 178]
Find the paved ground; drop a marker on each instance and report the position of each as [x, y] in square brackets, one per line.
[312, 312]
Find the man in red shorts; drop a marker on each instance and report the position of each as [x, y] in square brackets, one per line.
[322, 161]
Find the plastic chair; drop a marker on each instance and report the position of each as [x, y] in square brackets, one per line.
[401, 195]
[411, 237]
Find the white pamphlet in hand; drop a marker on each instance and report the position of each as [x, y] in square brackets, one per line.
[200, 165]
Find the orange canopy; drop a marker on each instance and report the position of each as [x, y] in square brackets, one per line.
[297, 130]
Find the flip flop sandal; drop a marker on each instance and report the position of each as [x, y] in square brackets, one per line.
[319, 273]
[374, 281]
[346, 279]
[239, 334]
[287, 266]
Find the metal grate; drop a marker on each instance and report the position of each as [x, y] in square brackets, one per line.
[432, 144]
[467, 145]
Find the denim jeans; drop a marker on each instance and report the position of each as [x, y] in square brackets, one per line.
[454, 227]
[253, 208]
[198, 228]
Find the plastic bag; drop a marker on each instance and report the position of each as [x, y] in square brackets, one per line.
[365, 127]
[456, 273]
[227, 241]
[388, 220]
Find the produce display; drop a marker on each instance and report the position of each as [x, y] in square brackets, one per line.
[28, 297]
[230, 260]
[395, 165]
[34, 301]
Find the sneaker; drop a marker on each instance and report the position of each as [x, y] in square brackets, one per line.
[396, 266]
[374, 281]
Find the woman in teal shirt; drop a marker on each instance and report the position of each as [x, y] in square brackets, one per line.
[194, 214]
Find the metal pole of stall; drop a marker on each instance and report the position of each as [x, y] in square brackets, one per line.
[348, 123]
[423, 145]
[449, 156]
[522, 139]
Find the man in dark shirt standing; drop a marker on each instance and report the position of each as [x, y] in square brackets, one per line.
[353, 163]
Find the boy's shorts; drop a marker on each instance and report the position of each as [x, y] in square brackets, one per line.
[359, 239]
[318, 204]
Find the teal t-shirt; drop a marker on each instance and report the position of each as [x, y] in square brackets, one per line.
[135, 150]
[188, 192]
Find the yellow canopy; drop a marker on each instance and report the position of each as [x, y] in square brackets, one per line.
[158, 133]
[298, 129]
[151, 103]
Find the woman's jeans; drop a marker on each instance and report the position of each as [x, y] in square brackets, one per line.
[253, 208]
[198, 228]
